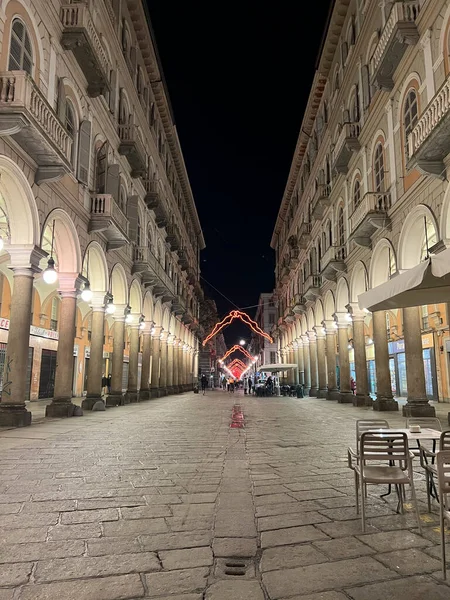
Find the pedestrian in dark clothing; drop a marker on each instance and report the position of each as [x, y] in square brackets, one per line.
[109, 383]
[204, 383]
[104, 384]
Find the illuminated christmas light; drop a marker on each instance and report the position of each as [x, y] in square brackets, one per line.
[237, 314]
[234, 349]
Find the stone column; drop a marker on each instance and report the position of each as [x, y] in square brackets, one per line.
[194, 375]
[24, 265]
[62, 405]
[133, 369]
[300, 362]
[345, 392]
[156, 355]
[417, 404]
[144, 392]
[190, 357]
[163, 367]
[307, 363]
[330, 332]
[295, 361]
[179, 366]
[321, 362]
[384, 400]
[314, 390]
[362, 397]
[183, 357]
[170, 364]
[115, 397]
[95, 369]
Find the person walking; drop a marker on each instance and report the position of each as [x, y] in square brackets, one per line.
[108, 385]
[104, 384]
[250, 385]
[245, 385]
[353, 385]
[204, 383]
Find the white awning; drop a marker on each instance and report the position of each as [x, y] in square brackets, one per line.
[427, 283]
[275, 367]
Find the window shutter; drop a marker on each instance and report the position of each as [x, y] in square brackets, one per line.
[61, 108]
[113, 181]
[133, 60]
[113, 92]
[132, 216]
[84, 151]
[366, 86]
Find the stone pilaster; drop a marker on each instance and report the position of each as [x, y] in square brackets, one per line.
[115, 397]
[307, 363]
[62, 405]
[163, 366]
[156, 360]
[144, 392]
[170, 364]
[178, 366]
[24, 264]
[133, 369]
[361, 398]
[300, 362]
[321, 362]
[314, 389]
[417, 404]
[345, 392]
[330, 342]
[384, 400]
[95, 368]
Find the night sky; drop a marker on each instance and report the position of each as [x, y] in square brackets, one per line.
[238, 75]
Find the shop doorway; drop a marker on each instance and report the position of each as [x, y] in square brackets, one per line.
[48, 371]
[29, 368]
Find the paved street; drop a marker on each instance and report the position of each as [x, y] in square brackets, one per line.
[165, 500]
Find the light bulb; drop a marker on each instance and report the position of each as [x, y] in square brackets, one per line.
[128, 318]
[370, 341]
[50, 274]
[110, 308]
[86, 294]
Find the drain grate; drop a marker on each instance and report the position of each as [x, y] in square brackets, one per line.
[234, 567]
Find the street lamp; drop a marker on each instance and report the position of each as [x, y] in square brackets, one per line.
[242, 342]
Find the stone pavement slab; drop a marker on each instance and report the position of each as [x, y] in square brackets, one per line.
[160, 499]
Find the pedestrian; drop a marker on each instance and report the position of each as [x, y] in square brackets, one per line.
[109, 383]
[353, 385]
[250, 385]
[204, 383]
[104, 384]
[245, 385]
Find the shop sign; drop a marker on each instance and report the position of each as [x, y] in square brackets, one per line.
[399, 345]
[370, 352]
[427, 341]
[87, 352]
[105, 354]
[37, 331]
[75, 350]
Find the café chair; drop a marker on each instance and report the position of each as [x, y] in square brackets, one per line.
[443, 477]
[393, 466]
[424, 423]
[427, 462]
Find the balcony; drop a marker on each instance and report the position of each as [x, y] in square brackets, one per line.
[346, 144]
[178, 305]
[183, 260]
[294, 257]
[298, 305]
[289, 316]
[333, 262]
[107, 218]
[400, 31]
[321, 201]
[429, 142]
[304, 235]
[26, 116]
[154, 199]
[370, 214]
[79, 36]
[173, 237]
[285, 272]
[311, 287]
[132, 147]
[152, 273]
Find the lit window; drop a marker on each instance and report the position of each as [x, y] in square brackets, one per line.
[20, 53]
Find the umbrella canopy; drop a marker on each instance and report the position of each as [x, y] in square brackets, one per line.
[427, 283]
[276, 367]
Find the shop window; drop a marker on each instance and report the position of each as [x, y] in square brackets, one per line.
[20, 52]
[378, 168]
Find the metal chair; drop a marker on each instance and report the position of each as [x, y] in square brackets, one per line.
[430, 467]
[390, 447]
[443, 476]
[425, 422]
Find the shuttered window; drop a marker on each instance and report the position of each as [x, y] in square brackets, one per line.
[100, 169]
[20, 52]
[84, 151]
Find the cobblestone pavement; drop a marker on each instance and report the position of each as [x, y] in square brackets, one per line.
[165, 500]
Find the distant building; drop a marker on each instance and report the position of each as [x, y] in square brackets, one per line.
[266, 315]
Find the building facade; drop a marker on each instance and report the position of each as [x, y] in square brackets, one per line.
[92, 186]
[266, 317]
[367, 198]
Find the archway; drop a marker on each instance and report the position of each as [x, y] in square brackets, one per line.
[419, 233]
[383, 264]
[358, 281]
[342, 295]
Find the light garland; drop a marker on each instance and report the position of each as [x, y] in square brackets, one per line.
[234, 349]
[237, 314]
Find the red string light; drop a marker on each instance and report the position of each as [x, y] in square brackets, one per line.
[234, 349]
[237, 314]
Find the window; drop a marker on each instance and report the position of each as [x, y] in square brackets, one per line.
[273, 358]
[150, 238]
[20, 52]
[341, 227]
[378, 168]
[123, 202]
[54, 315]
[356, 193]
[100, 169]
[271, 303]
[425, 320]
[139, 232]
[71, 128]
[410, 115]
[429, 240]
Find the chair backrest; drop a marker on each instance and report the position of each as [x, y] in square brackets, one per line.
[427, 422]
[392, 446]
[443, 469]
[363, 425]
[444, 441]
